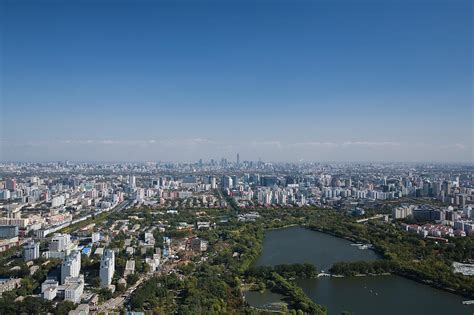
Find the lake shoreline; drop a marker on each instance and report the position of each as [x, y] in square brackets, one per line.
[298, 237]
[284, 227]
[401, 274]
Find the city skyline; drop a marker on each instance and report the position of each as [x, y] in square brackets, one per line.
[166, 150]
[163, 81]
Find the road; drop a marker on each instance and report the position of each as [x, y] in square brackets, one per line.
[122, 206]
[75, 226]
[377, 216]
[119, 300]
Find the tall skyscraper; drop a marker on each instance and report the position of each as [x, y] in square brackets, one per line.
[226, 182]
[213, 182]
[107, 268]
[235, 181]
[132, 181]
[238, 159]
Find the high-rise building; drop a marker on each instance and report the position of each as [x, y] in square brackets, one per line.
[269, 181]
[59, 242]
[60, 246]
[402, 212]
[213, 182]
[238, 159]
[5, 194]
[226, 182]
[31, 251]
[107, 268]
[71, 266]
[10, 184]
[132, 181]
[235, 181]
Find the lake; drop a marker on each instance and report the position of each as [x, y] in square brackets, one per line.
[390, 295]
[299, 245]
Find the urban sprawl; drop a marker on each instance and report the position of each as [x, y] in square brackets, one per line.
[54, 215]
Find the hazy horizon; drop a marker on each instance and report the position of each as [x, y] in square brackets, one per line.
[281, 81]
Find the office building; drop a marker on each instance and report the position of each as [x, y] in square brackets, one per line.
[72, 288]
[226, 182]
[402, 212]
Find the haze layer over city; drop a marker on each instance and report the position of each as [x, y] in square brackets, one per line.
[236, 157]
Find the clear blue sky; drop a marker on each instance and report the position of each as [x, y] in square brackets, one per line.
[281, 80]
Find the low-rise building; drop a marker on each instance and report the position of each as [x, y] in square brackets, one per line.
[8, 231]
[73, 289]
[8, 243]
[99, 251]
[153, 262]
[82, 309]
[9, 284]
[95, 237]
[49, 289]
[129, 268]
[199, 245]
[130, 250]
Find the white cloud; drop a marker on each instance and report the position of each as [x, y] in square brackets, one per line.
[314, 144]
[460, 146]
[371, 144]
[271, 143]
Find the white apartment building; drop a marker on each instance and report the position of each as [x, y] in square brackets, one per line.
[71, 266]
[31, 251]
[107, 268]
[59, 242]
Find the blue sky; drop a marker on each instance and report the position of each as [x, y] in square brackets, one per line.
[281, 80]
